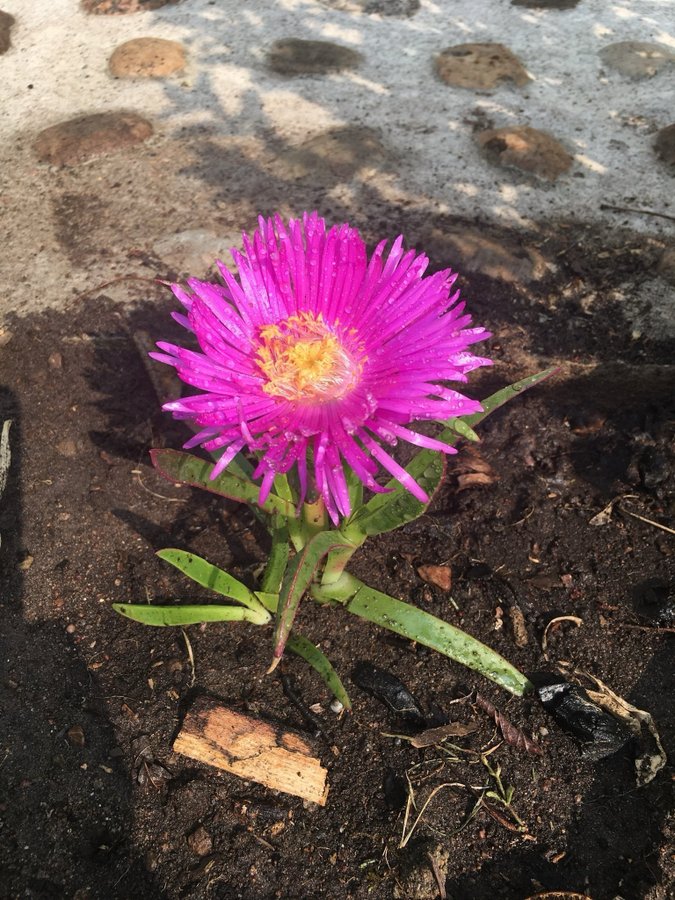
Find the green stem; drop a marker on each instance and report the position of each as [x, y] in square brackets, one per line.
[278, 558]
[295, 529]
[337, 559]
[417, 625]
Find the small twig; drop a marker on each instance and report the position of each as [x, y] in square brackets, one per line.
[633, 209]
[302, 708]
[440, 881]
[100, 287]
[658, 629]
[5, 454]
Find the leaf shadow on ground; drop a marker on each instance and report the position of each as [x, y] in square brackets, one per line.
[55, 839]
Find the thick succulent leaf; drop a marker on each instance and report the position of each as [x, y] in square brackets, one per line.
[297, 579]
[385, 512]
[210, 576]
[417, 625]
[185, 468]
[318, 661]
[189, 615]
[496, 400]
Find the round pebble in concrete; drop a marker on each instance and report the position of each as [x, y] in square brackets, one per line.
[334, 155]
[637, 59]
[403, 8]
[497, 257]
[194, 252]
[147, 57]
[665, 144]
[122, 7]
[292, 56]
[480, 66]
[666, 265]
[528, 149]
[6, 22]
[81, 138]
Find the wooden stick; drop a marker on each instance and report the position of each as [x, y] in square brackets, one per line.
[252, 749]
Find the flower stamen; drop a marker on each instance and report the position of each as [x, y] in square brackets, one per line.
[303, 360]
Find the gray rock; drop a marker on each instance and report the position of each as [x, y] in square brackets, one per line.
[637, 59]
[334, 155]
[381, 7]
[6, 22]
[480, 66]
[528, 149]
[546, 4]
[469, 250]
[122, 7]
[665, 144]
[665, 267]
[193, 252]
[76, 140]
[292, 56]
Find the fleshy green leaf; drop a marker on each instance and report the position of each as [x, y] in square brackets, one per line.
[297, 579]
[210, 576]
[187, 469]
[188, 615]
[385, 512]
[418, 625]
[318, 661]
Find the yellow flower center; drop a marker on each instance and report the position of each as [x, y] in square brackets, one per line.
[303, 360]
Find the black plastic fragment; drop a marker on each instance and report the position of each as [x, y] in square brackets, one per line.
[390, 690]
[570, 705]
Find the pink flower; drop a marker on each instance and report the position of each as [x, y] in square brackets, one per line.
[315, 347]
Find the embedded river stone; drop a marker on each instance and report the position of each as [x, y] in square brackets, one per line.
[79, 139]
[334, 155]
[665, 144]
[497, 257]
[122, 7]
[147, 57]
[6, 22]
[546, 4]
[381, 7]
[637, 59]
[528, 149]
[480, 66]
[195, 251]
[292, 56]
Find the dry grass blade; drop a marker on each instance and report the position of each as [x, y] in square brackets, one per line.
[511, 733]
[411, 803]
[544, 641]
[649, 521]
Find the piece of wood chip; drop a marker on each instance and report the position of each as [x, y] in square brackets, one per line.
[252, 749]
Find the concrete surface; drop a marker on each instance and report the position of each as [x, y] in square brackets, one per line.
[232, 138]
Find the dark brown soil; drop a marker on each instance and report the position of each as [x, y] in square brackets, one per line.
[96, 805]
